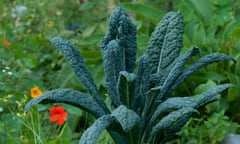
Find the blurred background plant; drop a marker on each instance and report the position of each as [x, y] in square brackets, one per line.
[27, 60]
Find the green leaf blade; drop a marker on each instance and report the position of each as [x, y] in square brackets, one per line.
[150, 13]
[125, 87]
[202, 62]
[175, 103]
[91, 135]
[168, 120]
[70, 97]
[174, 70]
[126, 117]
[202, 9]
[77, 63]
[122, 29]
[113, 64]
[142, 84]
[165, 42]
[210, 95]
[176, 127]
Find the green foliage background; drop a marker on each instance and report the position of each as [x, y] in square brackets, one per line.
[211, 25]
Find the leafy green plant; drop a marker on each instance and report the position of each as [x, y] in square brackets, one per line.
[216, 34]
[140, 108]
[210, 129]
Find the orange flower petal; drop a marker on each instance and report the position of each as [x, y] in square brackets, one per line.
[54, 118]
[64, 114]
[56, 110]
[6, 43]
[35, 92]
[59, 109]
[52, 111]
[58, 115]
[60, 121]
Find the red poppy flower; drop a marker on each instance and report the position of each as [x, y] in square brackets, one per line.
[6, 43]
[58, 115]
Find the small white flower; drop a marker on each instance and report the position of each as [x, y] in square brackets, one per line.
[3, 70]
[10, 73]
[1, 109]
[7, 67]
[19, 104]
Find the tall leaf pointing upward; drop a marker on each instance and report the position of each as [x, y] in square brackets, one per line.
[77, 63]
[166, 42]
[113, 64]
[122, 29]
[118, 50]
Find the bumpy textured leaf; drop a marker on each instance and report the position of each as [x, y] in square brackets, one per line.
[176, 127]
[68, 96]
[195, 102]
[113, 64]
[91, 135]
[170, 119]
[208, 59]
[149, 107]
[126, 117]
[150, 102]
[122, 29]
[175, 71]
[165, 42]
[169, 132]
[77, 63]
[175, 68]
[210, 95]
[142, 84]
[125, 87]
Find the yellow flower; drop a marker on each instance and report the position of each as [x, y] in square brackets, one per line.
[9, 96]
[35, 92]
[21, 114]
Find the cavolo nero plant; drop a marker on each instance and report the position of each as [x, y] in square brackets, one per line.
[141, 109]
